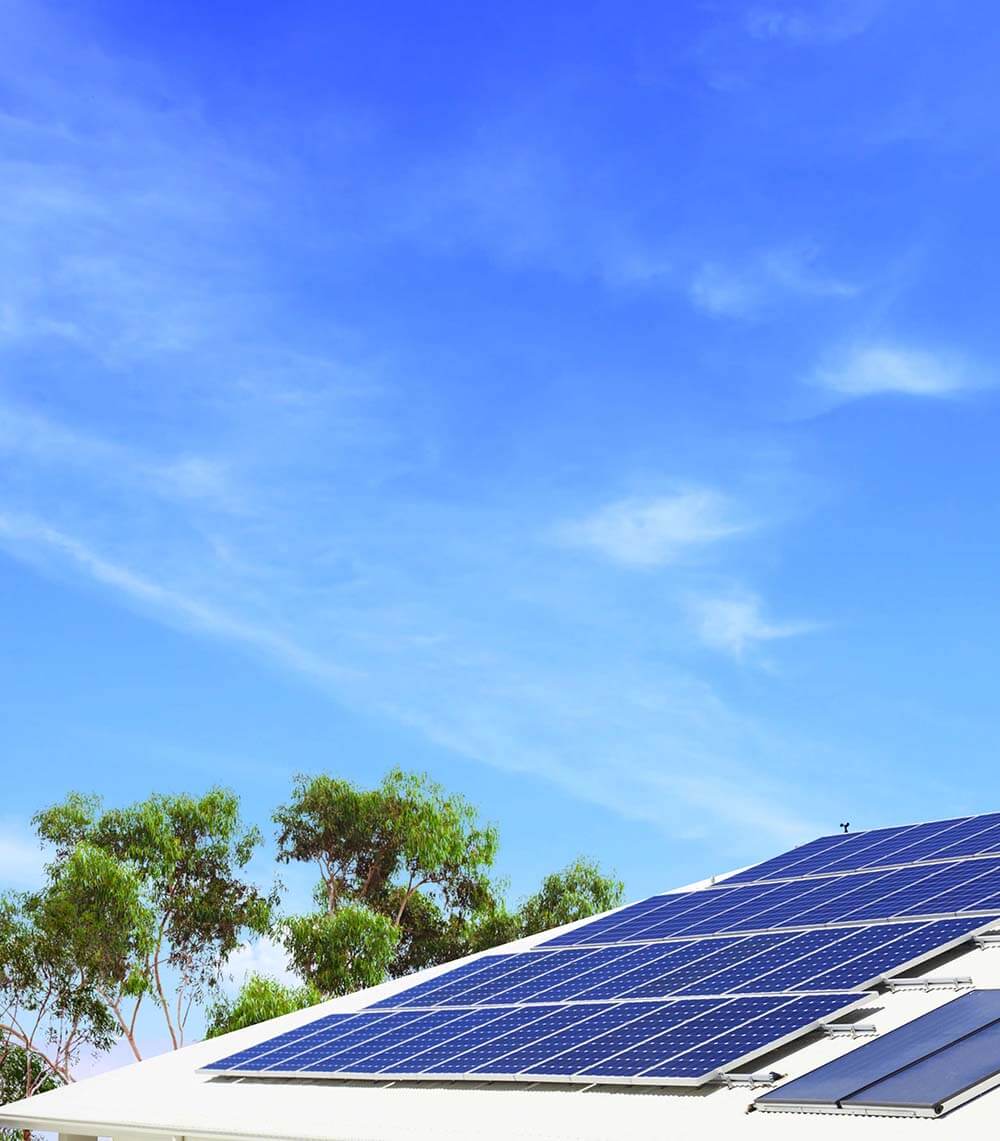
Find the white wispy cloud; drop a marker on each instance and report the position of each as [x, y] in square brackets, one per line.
[735, 623]
[728, 289]
[262, 957]
[204, 456]
[631, 749]
[876, 369]
[30, 536]
[652, 532]
[203, 479]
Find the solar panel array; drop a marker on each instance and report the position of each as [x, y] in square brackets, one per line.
[676, 988]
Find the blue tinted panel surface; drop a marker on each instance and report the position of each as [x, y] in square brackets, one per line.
[612, 975]
[341, 1056]
[552, 1045]
[714, 903]
[892, 956]
[318, 1046]
[882, 847]
[634, 913]
[854, 942]
[857, 890]
[380, 1055]
[475, 1050]
[654, 966]
[529, 966]
[747, 970]
[424, 1051]
[753, 1038]
[329, 1026]
[809, 895]
[920, 890]
[982, 881]
[936, 842]
[577, 1054]
[740, 909]
[673, 916]
[896, 847]
[928, 1083]
[680, 977]
[568, 970]
[884, 1055]
[849, 854]
[465, 976]
[788, 863]
[975, 841]
[638, 1058]
[910, 886]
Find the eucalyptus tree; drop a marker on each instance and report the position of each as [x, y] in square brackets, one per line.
[260, 999]
[51, 1008]
[160, 895]
[401, 865]
[578, 891]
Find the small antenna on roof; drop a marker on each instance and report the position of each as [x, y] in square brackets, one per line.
[846, 826]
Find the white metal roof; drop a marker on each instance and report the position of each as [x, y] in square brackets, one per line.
[167, 1096]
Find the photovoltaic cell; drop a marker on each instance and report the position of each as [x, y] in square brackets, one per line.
[511, 1062]
[655, 967]
[325, 1043]
[885, 959]
[681, 977]
[587, 1053]
[851, 944]
[961, 837]
[332, 1023]
[744, 975]
[345, 1055]
[978, 892]
[637, 1059]
[750, 1039]
[638, 964]
[473, 1051]
[424, 1051]
[463, 974]
[569, 966]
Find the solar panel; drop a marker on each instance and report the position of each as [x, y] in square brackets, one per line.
[678, 987]
[884, 847]
[925, 1063]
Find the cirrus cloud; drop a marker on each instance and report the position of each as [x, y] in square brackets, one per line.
[651, 532]
[877, 369]
[735, 623]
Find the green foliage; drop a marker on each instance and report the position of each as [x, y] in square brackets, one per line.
[577, 892]
[345, 830]
[259, 999]
[50, 1004]
[340, 951]
[147, 903]
[380, 846]
[160, 895]
[96, 902]
[406, 861]
[23, 1072]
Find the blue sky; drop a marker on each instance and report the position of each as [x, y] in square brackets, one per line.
[593, 406]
